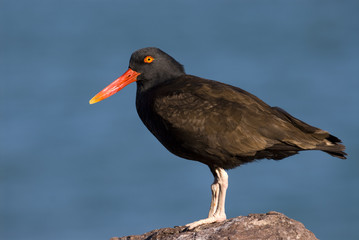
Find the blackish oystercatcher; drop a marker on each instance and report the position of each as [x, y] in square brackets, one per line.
[214, 123]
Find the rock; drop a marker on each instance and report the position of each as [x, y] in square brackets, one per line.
[272, 226]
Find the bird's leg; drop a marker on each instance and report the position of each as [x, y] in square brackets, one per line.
[217, 209]
[220, 184]
[214, 201]
[222, 179]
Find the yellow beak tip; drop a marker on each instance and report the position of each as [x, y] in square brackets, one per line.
[93, 100]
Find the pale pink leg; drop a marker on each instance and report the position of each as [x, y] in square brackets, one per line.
[217, 209]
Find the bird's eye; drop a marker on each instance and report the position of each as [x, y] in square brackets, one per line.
[148, 59]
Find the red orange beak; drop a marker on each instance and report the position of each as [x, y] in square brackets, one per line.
[128, 77]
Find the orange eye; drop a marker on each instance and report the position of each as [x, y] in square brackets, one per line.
[148, 59]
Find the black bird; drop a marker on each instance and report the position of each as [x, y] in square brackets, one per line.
[214, 123]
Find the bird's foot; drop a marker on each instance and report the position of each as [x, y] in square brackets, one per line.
[195, 224]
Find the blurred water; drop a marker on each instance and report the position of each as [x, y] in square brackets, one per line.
[69, 170]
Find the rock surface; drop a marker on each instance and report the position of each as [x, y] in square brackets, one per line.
[272, 226]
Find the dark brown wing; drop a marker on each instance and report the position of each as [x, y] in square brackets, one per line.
[223, 125]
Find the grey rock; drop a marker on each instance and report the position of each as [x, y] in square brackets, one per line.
[272, 226]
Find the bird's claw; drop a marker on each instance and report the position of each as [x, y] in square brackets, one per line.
[193, 225]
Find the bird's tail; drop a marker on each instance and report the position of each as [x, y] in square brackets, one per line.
[333, 147]
[324, 140]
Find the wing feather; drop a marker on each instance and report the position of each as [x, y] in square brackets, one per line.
[225, 118]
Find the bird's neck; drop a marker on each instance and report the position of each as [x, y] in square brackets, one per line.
[145, 85]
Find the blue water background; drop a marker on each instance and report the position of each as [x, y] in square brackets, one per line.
[70, 170]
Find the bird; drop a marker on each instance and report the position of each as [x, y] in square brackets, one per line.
[214, 123]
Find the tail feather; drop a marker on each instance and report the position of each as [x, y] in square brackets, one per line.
[334, 148]
[334, 139]
[338, 154]
[327, 142]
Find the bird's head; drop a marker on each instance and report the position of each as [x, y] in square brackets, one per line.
[148, 66]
